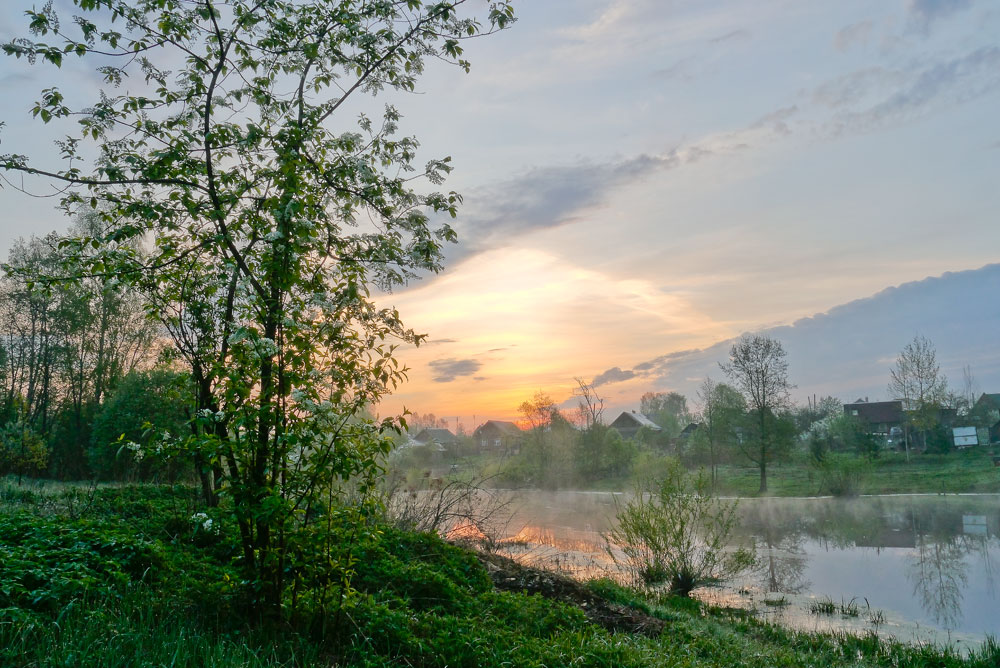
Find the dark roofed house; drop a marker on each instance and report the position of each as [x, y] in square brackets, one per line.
[878, 416]
[988, 410]
[628, 424]
[440, 436]
[989, 401]
[499, 436]
[689, 431]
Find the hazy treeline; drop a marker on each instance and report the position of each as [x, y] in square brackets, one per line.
[563, 448]
[82, 370]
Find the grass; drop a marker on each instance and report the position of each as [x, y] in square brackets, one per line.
[118, 577]
[963, 471]
[824, 606]
[779, 602]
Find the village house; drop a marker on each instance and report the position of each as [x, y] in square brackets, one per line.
[987, 408]
[878, 417]
[442, 437]
[499, 436]
[628, 424]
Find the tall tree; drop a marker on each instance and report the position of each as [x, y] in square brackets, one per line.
[271, 206]
[917, 381]
[722, 411]
[758, 368]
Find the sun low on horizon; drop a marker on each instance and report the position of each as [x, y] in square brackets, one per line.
[643, 181]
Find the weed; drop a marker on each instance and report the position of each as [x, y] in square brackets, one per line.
[850, 608]
[824, 606]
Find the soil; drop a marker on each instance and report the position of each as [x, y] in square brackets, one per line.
[508, 575]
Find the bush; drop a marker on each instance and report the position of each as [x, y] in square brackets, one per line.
[143, 403]
[676, 531]
[22, 451]
[841, 475]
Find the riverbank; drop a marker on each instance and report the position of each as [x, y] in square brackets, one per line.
[960, 472]
[120, 577]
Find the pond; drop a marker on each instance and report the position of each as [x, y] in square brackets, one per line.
[918, 568]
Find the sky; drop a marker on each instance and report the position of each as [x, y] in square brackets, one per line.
[645, 177]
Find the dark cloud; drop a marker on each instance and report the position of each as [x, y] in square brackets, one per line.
[447, 370]
[546, 197]
[612, 375]
[731, 36]
[847, 351]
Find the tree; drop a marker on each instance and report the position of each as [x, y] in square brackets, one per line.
[722, 410]
[537, 415]
[667, 409]
[590, 405]
[267, 229]
[917, 381]
[69, 343]
[759, 370]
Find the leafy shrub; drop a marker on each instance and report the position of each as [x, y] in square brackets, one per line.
[675, 531]
[841, 475]
[22, 451]
[143, 404]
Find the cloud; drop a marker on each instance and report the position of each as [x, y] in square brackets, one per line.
[847, 351]
[931, 10]
[546, 197]
[612, 375]
[856, 33]
[682, 69]
[777, 120]
[447, 370]
[915, 92]
[437, 342]
[733, 35]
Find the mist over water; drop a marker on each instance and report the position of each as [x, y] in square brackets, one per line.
[927, 563]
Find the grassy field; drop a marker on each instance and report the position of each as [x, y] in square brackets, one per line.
[966, 471]
[118, 577]
[959, 472]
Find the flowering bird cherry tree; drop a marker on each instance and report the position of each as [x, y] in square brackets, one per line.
[255, 217]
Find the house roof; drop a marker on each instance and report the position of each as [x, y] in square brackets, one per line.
[992, 398]
[876, 411]
[437, 435]
[413, 443]
[639, 419]
[690, 429]
[508, 428]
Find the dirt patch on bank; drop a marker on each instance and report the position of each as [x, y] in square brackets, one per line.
[508, 575]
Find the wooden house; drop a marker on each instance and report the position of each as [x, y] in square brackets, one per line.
[628, 424]
[499, 436]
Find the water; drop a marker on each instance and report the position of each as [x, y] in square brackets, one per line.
[917, 568]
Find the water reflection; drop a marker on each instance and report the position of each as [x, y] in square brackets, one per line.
[927, 560]
[938, 541]
[938, 572]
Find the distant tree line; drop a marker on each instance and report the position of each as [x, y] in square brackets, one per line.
[748, 421]
[82, 371]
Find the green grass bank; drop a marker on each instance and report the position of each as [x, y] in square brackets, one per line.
[125, 577]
